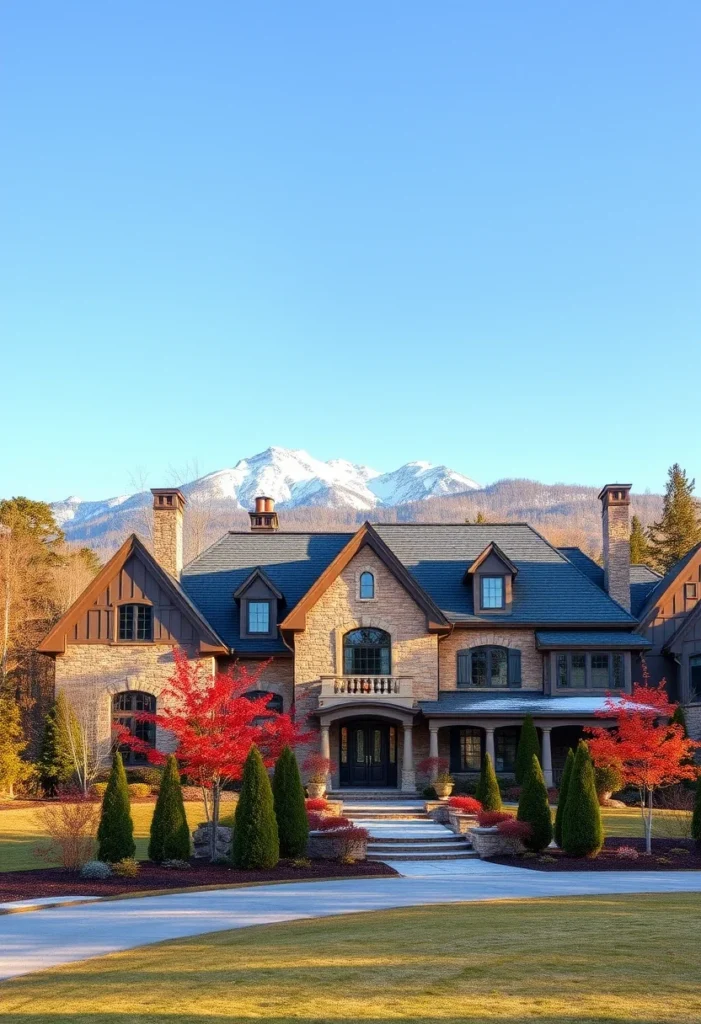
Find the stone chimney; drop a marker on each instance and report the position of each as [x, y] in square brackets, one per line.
[168, 506]
[615, 518]
[264, 517]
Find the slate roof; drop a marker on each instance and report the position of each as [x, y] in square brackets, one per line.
[591, 638]
[643, 579]
[458, 702]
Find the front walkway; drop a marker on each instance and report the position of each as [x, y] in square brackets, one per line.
[45, 938]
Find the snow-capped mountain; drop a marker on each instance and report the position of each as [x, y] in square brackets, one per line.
[293, 477]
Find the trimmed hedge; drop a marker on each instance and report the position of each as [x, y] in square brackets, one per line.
[115, 834]
[562, 799]
[487, 791]
[255, 843]
[528, 745]
[582, 828]
[139, 790]
[290, 809]
[534, 809]
[170, 834]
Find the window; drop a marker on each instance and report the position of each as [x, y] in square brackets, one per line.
[492, 591]
[695, 676]
[274, 703]
[690, 591]
[505, 744]
[367, 586]
[258, 617]
[466, 749]
[135, 622]
[367, 652]
[572, 670]
[606, 671]
[489, 667]
[600, 671]
[126, 707]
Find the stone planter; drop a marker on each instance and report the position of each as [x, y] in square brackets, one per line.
[331, 846]
[201, 837]
[489, 842]
[443, 789]
[438, 811]
[316, 790]
[461, 823]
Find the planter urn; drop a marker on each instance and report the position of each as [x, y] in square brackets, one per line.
[316, 790]
[443, 789]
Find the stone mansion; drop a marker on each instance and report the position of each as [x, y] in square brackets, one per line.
[395, 641]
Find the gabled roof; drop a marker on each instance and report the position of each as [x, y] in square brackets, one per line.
[55, 641]
[657, 594]
[688, 620]
[491, 549]
[366, 536]
[258, 574]
[552, 639]
[643, 579]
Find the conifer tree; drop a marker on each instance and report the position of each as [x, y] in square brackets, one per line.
[290, 811]
[582, 829]
[679, 528]
[533, 807]
[639, 543]
[170, 833]
[528, 745]
[255, 843]
[487, 791]
[115, 834]
[562, 797]
[55, 762]
[12, 743]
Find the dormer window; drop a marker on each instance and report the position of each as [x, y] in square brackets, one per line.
[258, 617]
[135, 622]
[367, 586]
[258, 603]
[492, 592]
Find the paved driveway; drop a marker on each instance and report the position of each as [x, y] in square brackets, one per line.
[45, 938]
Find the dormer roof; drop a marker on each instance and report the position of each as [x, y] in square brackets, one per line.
[258, 574]
[491, 549]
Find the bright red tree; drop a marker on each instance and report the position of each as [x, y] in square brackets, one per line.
[214, 726]
[648, 749]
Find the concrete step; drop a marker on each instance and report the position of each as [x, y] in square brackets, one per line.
[458, 855]
[419, 840]
[390, 816]
[358, 795]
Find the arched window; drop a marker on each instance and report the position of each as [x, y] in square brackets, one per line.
[367, 586]
[135, 622]
[367, 652]
[125, 707]
[274, 703]
[489, 666]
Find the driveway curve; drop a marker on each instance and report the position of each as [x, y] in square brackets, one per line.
[46, 938]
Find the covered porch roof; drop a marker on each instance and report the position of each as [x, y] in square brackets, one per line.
[507, 705]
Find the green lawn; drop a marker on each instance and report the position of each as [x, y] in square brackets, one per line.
[584, 960]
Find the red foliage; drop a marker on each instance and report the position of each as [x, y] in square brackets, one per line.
[327, 822]
[487, 818]
[465, 804]
[318, 767]
[429, 765]
[316, 803]
[515, 829]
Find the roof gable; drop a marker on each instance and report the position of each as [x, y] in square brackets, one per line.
[492, 551]
[659, 592]
[258, 574]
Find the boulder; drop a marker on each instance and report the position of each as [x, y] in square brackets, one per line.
[201, 841]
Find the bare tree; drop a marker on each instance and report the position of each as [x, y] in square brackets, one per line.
[88, 754]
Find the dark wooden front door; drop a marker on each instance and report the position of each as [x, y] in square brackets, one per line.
[368, 754]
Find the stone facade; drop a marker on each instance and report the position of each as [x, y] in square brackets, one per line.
[168, 529]
[462, 639]
[615, 512]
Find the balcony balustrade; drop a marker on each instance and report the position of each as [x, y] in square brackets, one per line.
[395, 689]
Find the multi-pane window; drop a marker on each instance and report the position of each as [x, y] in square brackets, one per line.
[489, 666]
[275, 702]
[367, 586]
[492, 591]
[258, 617]
[606, 671]
[126, 707]
[505, 745]
[470, 750]
[367, 652]
[135, 622]
[600, 671]
[695, 676]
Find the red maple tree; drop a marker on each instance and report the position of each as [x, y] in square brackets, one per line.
[648, 749]
[214, 725]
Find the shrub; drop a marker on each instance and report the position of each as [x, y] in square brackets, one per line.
[327, 822]
[664, 860]
[191, 794]
[438, 766]
[98, 789]
[70, 824]
[679, 851]
[227, 820]
[55, 762]
[510, 793]
[582, 829]
[345, 840]
[175, 864]
[517, 830]
[562, 799]
[138, 790]
[288, 801]
[115, 835]
[487, 791]
[627, 853]
[465, 804]
[301, 862]
[255, 842]
[318, 767]
[316, 804]
[127, 868]
[463, 787]
[96, 869]
[528, 746]
[696, 816]
[607, 779]
[170, 833]
[488, 818]
[150, 775]
[533, 808]
[430, 793]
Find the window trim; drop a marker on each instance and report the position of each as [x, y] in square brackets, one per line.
[514, 674]
[131, 757]
[134, 605]
[483, 577]
[380, 647]
[371, 574]
[588, 685]
[253, 633]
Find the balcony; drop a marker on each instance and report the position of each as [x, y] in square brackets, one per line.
[385, 689]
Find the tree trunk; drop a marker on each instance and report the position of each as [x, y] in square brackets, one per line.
[648, 823]
[215, 821]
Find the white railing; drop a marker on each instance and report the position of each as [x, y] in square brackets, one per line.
[366, 686]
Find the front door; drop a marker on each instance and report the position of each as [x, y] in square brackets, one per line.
[368, 754]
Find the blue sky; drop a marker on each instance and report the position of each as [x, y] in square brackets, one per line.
[463, 232]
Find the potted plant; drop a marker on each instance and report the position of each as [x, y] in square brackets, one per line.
[437, 770]
[318, 769]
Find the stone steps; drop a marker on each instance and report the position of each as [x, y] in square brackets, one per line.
[405, 832]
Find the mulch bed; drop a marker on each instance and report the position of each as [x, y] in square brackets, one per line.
[662, 858]
[23, 885]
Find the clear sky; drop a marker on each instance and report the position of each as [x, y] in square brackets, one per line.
[466, 232]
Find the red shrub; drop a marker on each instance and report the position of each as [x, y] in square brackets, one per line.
[316, 804]
[326, 822]
[515, 829]
[465, 804]
[487, 818]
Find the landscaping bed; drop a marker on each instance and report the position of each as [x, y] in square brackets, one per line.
[22, 885]
[662, 858]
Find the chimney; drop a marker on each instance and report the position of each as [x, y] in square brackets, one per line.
[615, 518]
[168, 505]
[264, 517]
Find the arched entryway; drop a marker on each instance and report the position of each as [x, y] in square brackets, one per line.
[367, 754]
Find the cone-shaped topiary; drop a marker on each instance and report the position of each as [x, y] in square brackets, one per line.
[528, 745]
[255, 843]
[562, 798]
[696, 816]
[55, 761]
[290, 809]
[534, 809]
[170, 834]
[487, 791]
[115, 835]
[582, 829]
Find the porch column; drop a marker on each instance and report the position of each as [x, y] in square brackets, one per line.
[433, 746]
[408, 776]
[489, 745]
[547, 756]
[325, 742]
